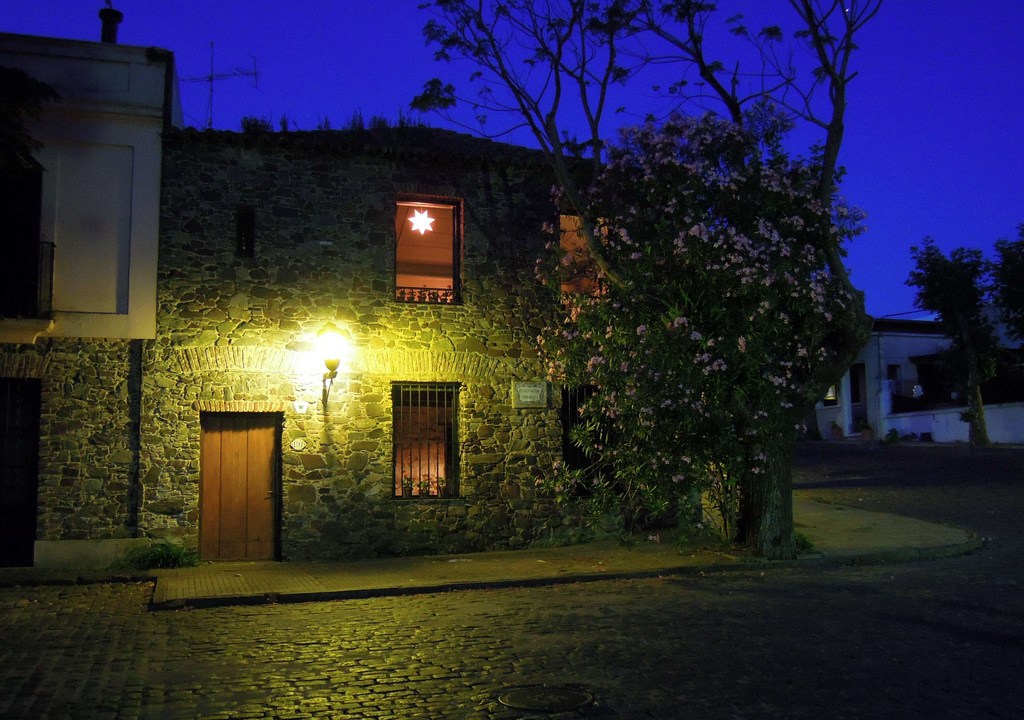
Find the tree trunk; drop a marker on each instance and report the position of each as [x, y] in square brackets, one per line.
[978, 427]
[766, 507]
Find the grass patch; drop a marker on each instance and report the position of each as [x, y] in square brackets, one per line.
[160, 554]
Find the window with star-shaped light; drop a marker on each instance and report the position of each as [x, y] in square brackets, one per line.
[427, 252]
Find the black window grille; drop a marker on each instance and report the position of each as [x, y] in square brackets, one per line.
[44, 286]
[425, 440]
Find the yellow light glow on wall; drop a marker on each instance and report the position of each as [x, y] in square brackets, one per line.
[335, 349]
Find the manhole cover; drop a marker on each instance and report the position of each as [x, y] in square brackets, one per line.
[545, 698]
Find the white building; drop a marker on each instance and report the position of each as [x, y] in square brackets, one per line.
[88, 269]
[898, 383]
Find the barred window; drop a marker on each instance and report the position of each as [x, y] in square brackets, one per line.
[425, 445]
[427, 252]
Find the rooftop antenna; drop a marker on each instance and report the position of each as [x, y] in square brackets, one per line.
[213, 75]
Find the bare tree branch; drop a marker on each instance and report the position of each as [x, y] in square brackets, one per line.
[533, 51]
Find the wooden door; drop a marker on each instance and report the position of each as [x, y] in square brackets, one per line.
[19, 470]
[238, 486]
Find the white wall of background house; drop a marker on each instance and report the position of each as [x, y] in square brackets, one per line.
[885, 367]
[101, 182]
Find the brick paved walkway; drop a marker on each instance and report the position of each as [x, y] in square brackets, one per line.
[837, 532]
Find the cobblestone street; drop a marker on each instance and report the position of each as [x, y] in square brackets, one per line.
[932, 639]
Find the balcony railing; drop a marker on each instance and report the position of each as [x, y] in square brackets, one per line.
[44, 296]
[438, 296]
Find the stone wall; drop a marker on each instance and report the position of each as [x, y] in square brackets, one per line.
[88, 452]
[235, 334]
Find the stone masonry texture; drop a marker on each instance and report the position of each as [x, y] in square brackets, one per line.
[87, 453]
[234, 334]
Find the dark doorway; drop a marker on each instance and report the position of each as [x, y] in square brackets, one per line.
[858, 395]
[19, 470]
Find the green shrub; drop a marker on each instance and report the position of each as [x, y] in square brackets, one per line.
[161, 554]
[803, 543]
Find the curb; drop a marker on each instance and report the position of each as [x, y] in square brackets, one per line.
[395, 591]
[732, 565]
[896, 555]
[17, 579]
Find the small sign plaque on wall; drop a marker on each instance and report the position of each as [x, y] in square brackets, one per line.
[529, 394]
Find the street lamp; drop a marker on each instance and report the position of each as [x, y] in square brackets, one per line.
[336, 350]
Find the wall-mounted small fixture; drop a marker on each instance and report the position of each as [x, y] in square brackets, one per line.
[336, 350]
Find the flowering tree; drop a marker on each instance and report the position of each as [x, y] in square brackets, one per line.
[705, 356]
[557, 67]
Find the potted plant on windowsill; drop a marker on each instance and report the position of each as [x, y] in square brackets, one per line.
[407, 487]
[837, 432]
[866, 433]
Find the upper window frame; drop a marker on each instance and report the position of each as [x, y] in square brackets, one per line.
[427, 294]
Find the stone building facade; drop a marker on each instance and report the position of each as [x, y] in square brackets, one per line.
[78, 269]
[439, 421]
[85, 399]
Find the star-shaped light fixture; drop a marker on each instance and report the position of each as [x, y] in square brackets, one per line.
[421, 222]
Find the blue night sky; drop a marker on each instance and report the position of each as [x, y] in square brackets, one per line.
[935, 126]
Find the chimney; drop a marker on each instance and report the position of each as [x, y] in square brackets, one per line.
[111, 19]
